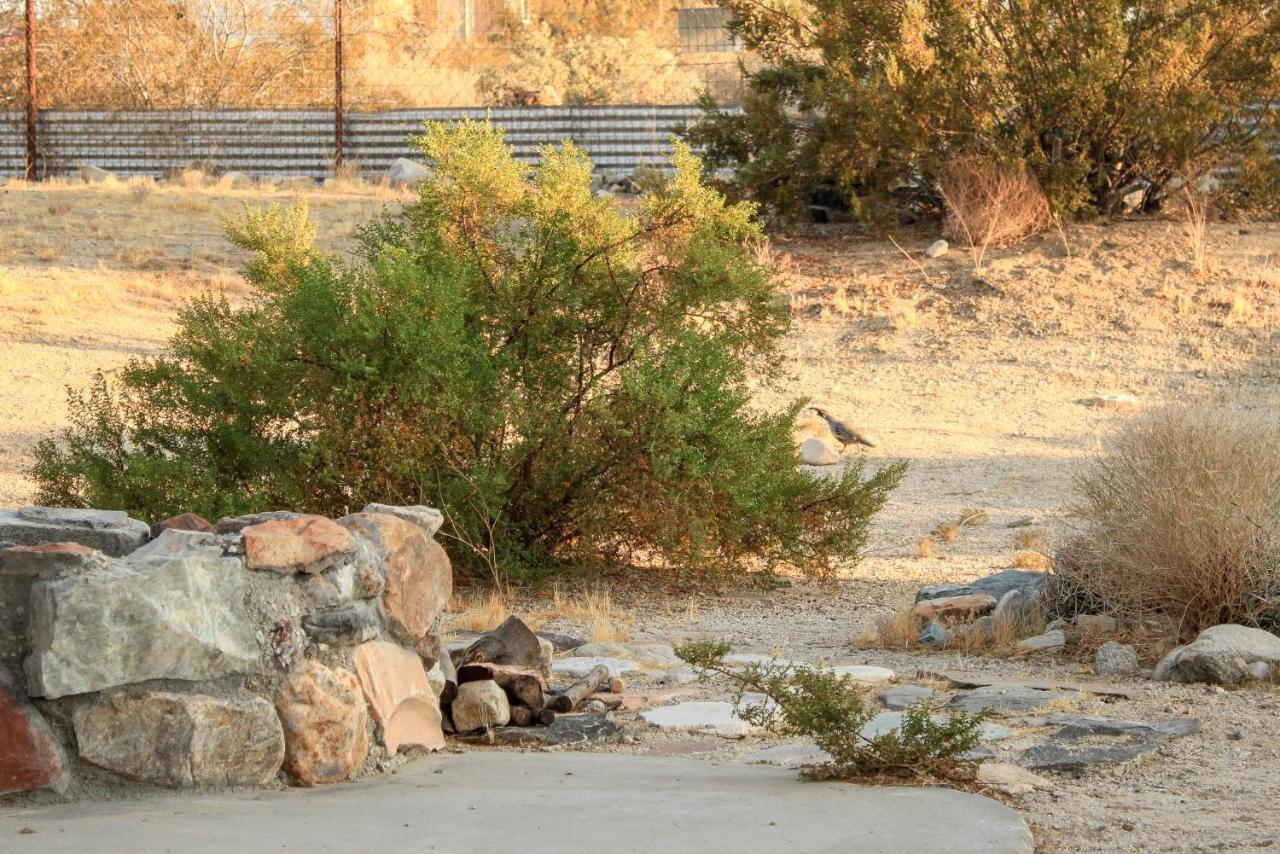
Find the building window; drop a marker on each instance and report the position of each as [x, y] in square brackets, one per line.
[706, 30]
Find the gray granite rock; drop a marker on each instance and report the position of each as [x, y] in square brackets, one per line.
[1055, 756]
[236, 524]
[900, 697]
[1048, 642]
[1115, 659]
[886, 722]
[716, 718]
[646, 655]
[347, 626]
[579, 666]
[181, 618]
[800, 755]
[1220, 654]
[111, 532]
[935, 634]
[1007, 699]
[1075, 726]
[997, 585]
[171, 543]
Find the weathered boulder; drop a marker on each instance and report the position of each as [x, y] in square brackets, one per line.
[173, 543]
[30, 756]
[91, 174]
[1030, 583]
[951, 608]
[50, 559]
[1220, 654]
[419, 578]
[309, 544]
[347, 626]
[236, 524]
[405, 173]
[818, 452]
[1048, 642]
[1115, 659]
[937, 249]
[579, 666]
[184, 522]
[399, 695]
[429, 519]
[174, 739]
[480, 705]
[180, 618]
[109, 531]
[1095, 624]
[325, 724]
[935, 634]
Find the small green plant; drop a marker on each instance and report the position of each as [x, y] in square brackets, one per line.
[802, 701]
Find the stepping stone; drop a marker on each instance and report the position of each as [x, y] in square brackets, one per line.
[900, 697]
[790, 755]
[1075, 726]
[889, 721]
[648, 655]
[1030, 583]
[709, 717]
[578, 666]
[673, 805]
[1007, 699]
[1062, 757]
[864, 673]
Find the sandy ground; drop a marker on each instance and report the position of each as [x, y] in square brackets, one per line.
[973, 376]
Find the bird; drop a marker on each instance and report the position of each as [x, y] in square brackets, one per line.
[845, 434]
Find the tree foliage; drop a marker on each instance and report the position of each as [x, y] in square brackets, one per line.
[568, 379]
[1094, 97]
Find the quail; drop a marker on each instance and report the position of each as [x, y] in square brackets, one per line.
[845, 434]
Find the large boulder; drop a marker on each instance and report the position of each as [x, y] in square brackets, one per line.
[325, 724]
[1226, 654]
[109, 531]
[308, 544]
[400, 697]
[419, 578]
[1030, 583]
[176, 543]
[405, 173]
[429, 519]
[30, 756]
[179, 618]
[174, 739]
[480, 705]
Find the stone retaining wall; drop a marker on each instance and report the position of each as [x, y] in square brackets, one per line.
[265, 648]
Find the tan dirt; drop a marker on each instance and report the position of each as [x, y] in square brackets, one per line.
[974, 377]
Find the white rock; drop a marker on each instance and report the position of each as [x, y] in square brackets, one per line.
[480, 705]
[579, 666]
[1011, 779]
[743, 659]
[1046, 642]
[937, 249]
[865, 673]
[648, 655]
[790, 755]
[715, 718]
[818, 452]
[406, 173]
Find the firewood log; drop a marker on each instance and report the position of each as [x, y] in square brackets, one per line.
[524, 686]
[569, 699]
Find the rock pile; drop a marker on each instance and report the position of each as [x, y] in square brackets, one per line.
[189, 654]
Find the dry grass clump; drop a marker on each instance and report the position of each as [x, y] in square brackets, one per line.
[1195, 227]
[990, 203]
[1185, 523]
[897, 630]
[925, 547]
[1031, 559]
[1030, 538]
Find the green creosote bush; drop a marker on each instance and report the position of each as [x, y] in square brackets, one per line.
[829, 709]
[568, 379]
[874, 98]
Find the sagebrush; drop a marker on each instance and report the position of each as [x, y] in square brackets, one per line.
[567, 379]
[1183, 522]
[1097, 98]
[818, 704]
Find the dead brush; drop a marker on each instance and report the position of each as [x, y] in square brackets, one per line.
[990, 203]
[1031, 559]
[899, 629]
[1195, 227]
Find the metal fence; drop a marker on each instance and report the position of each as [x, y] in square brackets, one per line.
[301, 142]
[296, 86]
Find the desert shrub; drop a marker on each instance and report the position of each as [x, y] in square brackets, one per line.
[1183, 522]
[990, 203]
[802, 701]
[567, 379]
[1094, 98]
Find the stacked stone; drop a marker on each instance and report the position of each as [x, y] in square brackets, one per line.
[192, 654]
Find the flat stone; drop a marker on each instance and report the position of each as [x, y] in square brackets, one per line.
[800, 755]
[966, 607]
[559, 642]
[50, 559]
[1006, 700]
[325, 724]
[901, 697]
[886, 722]
[1030, 583]
[173, 739]
[671, 805]
[579, 666]
[818, 452]
[981, 680]
[647, 655]
[400, 697]
[480, 706]
[30, 755]
[747, 659]
[236, 524]
[429, 519]
[712, 717]
[679, 676]
[176, 543]
[419, 577]
[111, 532]
[937, 249]
[347, 626]
[866, 674]
[182, 618]
[1115, 659]
[184, 522]
[1012, 779]
[1047, 642]
[307, 544]
[1081, 725]
[1059, 757]
[566, 731]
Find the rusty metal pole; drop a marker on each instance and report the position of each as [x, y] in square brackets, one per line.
[33, 150]
[339, 130]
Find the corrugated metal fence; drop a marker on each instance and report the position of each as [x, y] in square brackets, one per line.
[301, 142]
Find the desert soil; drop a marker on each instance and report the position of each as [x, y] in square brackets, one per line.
[974, 376]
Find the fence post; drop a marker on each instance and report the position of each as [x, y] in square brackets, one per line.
[32, 143]
[339, 131]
